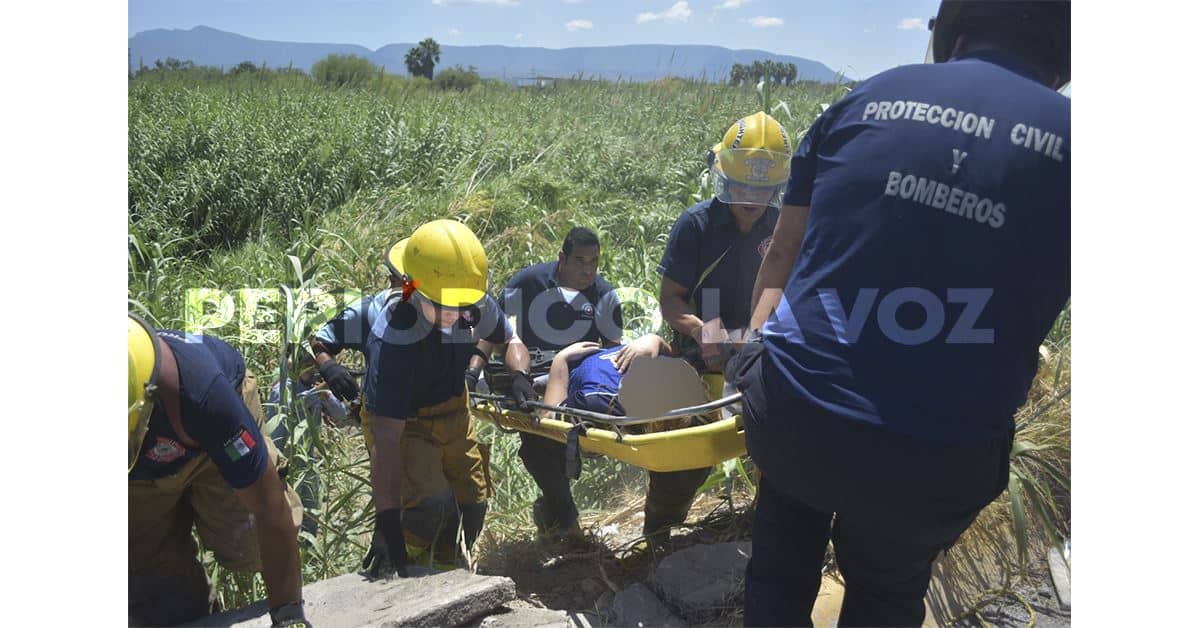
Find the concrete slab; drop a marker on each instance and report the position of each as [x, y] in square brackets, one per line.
[702, 580]
[351, 601]
[636, 606]
[1060, 575]
[528, 618]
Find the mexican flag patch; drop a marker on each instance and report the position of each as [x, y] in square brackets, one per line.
[239, 446]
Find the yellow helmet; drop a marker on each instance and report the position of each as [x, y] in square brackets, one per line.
[143, 380]
[446, 262]
[752, 161]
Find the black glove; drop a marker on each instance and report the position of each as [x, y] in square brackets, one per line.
[522, 388]
[339, 379]
[290, 615]
[472, 378]
[388, 556]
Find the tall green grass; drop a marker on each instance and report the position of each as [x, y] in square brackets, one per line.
[272, 181]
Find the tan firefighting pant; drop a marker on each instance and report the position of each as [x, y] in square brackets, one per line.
[167, 583]
[442, 461]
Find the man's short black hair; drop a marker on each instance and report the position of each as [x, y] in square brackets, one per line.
[580, 236]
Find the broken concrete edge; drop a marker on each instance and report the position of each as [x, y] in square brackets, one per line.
[426, 597]
[1060, 576]
[485, 598]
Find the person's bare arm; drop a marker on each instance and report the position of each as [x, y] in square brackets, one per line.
[649, 346]
[556, 386]
[516, 355]
[278, 549]
[777, 264]
[675, 310]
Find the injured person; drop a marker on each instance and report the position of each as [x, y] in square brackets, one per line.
[639, 380]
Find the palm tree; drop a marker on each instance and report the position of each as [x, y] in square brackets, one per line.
[737, 74]
[421, 58]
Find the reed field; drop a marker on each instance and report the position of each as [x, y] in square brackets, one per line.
[257, 202]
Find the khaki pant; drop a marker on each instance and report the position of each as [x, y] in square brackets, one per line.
[167, 583]
[442, 461]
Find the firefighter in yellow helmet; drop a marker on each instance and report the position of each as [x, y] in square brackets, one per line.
[415, 417]
[708, 271]
[197, 458]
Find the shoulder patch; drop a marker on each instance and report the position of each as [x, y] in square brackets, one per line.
[239, 445]
[165, 450]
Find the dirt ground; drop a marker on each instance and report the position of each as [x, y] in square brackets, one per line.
[584, 575]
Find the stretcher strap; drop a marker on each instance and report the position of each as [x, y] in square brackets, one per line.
[574, 461]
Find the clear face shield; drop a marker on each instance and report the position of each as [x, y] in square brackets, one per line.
[751, 176]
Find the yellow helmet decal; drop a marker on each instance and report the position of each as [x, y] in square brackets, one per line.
[754, 151]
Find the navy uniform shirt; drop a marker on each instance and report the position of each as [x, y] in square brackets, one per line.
[937, 251]
[351, 328]
[708, 255]
[546, 319]
[212, 414]
[413, 364]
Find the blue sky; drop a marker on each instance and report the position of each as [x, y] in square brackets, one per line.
[859, 37]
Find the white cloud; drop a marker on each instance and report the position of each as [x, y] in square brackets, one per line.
[731, 4]
[575, 25]
[679, 12]
[519, 36]
[912, 24]
[454, 31]
[572, 1]
[765, 22]
[502, 3]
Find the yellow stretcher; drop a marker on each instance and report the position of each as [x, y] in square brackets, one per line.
[674, 450]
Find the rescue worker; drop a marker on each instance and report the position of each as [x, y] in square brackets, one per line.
[415, 415]
[711, 259]
[922, 254]
[434, 519]
[557, 304]
[197, 457]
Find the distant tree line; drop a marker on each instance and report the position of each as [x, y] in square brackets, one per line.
[780, 73]
[334, 70]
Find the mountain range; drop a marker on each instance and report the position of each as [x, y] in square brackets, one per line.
[203, 45]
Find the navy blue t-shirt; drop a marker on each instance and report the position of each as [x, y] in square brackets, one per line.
[412, 364]
[212, 414]
[708, 255]
[937, 251]
[548, 319]
[594, 382]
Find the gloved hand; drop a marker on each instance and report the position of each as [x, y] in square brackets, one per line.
[472, 378]
[522, 388]
[339, 380]
[388, 556]
[289, 615]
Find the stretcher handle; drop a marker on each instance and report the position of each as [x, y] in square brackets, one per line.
[621, 420]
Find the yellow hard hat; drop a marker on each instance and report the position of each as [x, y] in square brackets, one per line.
[446, 262]
[143, 380]
[752, 161]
